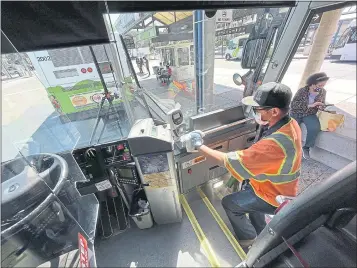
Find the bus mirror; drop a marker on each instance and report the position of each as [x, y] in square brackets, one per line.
[237, 79]
[252, 53]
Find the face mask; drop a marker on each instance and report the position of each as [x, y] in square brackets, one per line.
[258, 119]
[317, 89]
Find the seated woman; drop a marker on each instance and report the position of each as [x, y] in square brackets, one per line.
[166, 75]
[159, 71]
[304, 106]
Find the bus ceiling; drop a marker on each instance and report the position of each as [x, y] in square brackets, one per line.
[34, 25]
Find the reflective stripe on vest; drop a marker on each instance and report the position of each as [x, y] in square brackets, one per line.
[284, 174]
[238, 166]
[289, 149]
[281, 178]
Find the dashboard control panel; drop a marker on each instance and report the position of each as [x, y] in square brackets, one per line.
[125, 174]
[111, 162]
[116, 153]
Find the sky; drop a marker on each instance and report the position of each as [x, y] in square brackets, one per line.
[114, 17]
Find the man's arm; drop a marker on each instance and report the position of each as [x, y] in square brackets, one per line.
[217, 156]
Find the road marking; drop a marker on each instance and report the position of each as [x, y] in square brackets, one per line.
[223, 226]
[199, 233]
[22, 92]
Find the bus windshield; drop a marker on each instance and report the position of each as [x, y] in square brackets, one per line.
[152, 64]
[346, 37]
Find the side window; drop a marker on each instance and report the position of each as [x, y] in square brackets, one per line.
[230, 44]
[344, 38]
[352, 37]
[242, 42]
[183, 56]
[168, 56]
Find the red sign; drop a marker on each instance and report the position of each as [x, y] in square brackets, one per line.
[83, 249]
[90, 70]
[97, 98]
[83, 70]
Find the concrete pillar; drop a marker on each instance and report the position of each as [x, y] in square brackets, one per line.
[324, 34]
[204, 41]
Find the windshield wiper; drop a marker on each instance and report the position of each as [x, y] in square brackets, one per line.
[106, 97]
[141, 90]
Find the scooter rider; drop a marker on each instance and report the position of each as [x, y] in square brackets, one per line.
[270, 167]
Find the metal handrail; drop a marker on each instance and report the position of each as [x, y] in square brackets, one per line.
[210, 131]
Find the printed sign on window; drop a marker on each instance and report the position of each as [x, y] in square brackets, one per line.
[224, 15]
[83, 251]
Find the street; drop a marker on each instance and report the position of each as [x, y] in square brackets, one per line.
[26, 108]
[341, 86]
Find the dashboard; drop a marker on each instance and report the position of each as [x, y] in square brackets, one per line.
[105, 165]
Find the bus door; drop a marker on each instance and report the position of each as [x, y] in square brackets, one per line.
[184, 69]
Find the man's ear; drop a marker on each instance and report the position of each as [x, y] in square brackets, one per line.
[275, 112]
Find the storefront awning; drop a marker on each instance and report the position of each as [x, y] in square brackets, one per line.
[169, 17]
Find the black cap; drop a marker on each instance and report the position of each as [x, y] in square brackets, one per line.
[270, 95]
[316, 78]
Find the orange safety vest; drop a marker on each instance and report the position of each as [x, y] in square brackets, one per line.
[272, 165]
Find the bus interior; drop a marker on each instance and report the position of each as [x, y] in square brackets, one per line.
[105, 180]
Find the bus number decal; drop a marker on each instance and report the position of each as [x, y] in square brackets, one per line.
[46, 58]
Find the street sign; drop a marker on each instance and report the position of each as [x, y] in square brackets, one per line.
[224, 15]
[235, 30]
[316, 18]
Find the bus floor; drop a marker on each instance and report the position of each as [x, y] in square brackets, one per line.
[203, 238]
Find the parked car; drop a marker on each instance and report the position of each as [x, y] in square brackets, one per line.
[235, 47]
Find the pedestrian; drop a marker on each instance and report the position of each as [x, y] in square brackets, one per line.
[305, 105]
[138, 63]
[169, 73]
[146, 61]
[169, 70]
[141, 64]
[270, 167]
[56, 104]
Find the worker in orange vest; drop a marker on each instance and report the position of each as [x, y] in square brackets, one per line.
[270, 167]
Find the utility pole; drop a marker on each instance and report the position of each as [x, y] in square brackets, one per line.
[324, 34]
[204, 40]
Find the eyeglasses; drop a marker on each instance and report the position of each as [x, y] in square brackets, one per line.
[261, 108]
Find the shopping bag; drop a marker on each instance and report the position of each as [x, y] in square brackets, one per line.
[330, 120]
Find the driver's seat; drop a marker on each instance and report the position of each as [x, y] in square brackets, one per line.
[318, 226]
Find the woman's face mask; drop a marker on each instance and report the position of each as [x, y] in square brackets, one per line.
[319, 86]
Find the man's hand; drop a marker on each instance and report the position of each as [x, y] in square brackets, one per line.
[193, 140]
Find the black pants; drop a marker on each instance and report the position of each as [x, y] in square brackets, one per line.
[238, 204]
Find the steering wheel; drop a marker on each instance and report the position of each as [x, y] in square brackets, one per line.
[29, 185]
